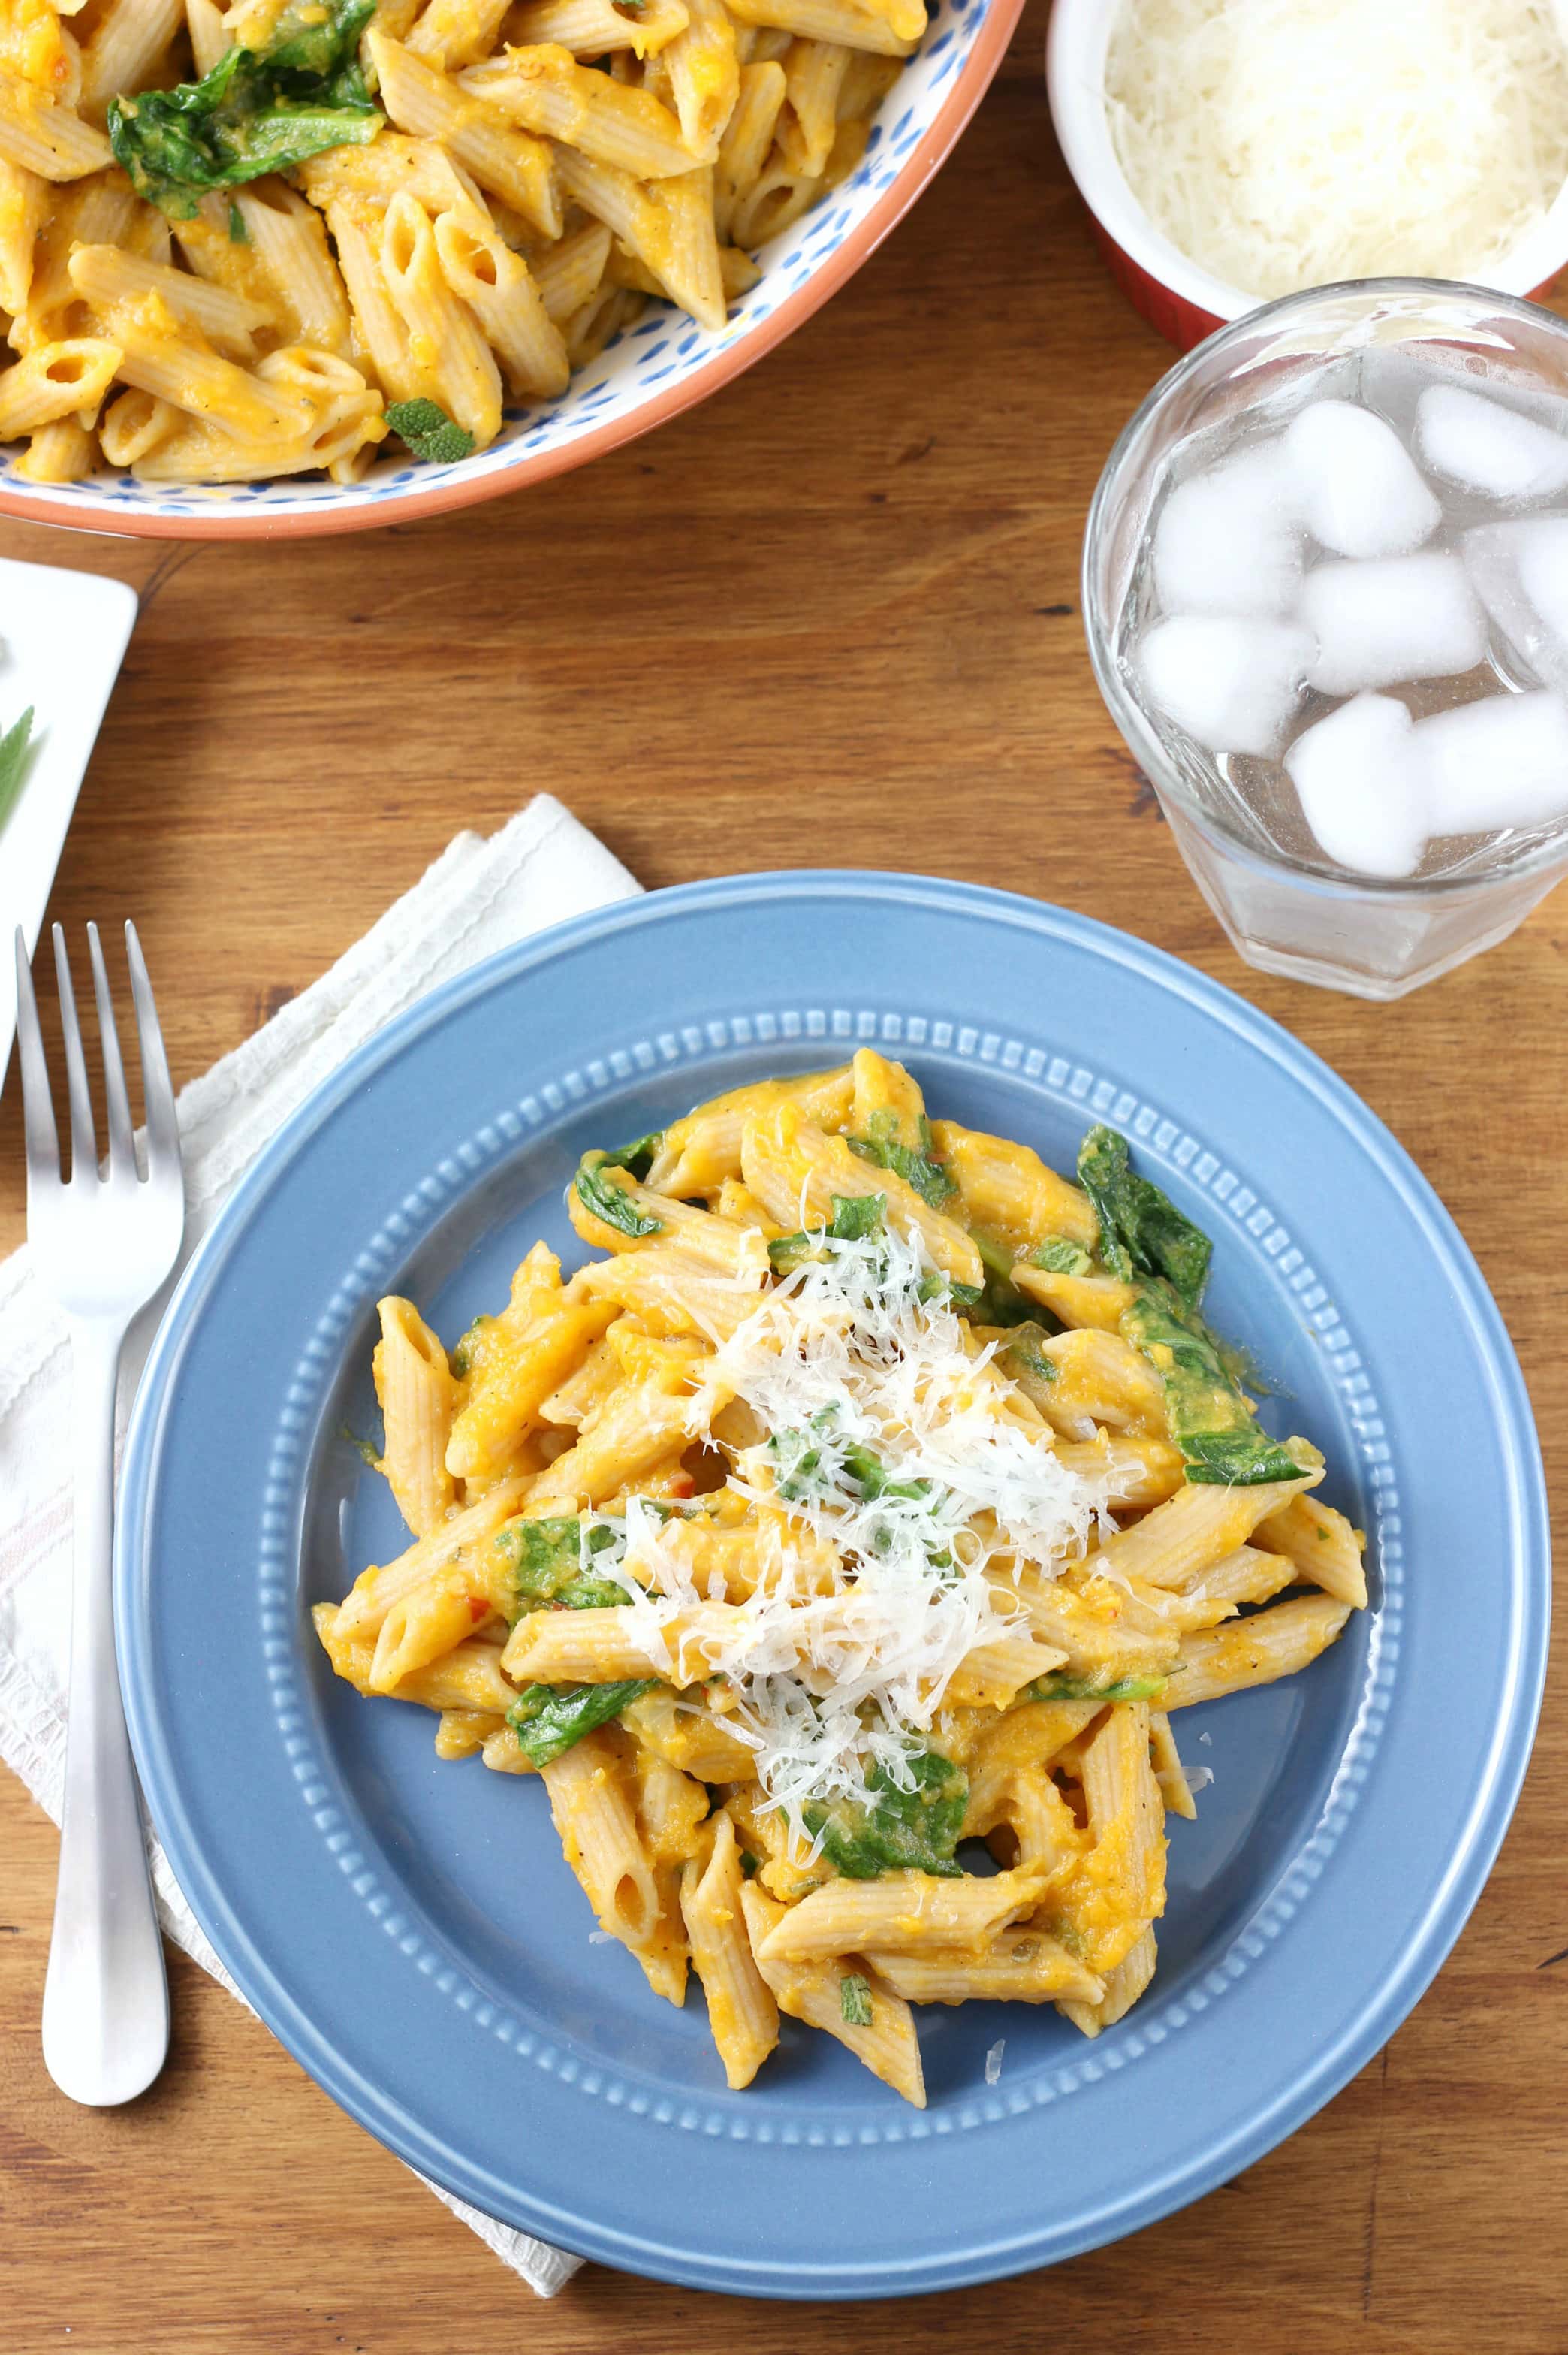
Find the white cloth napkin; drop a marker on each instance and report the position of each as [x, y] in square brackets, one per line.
[478, 897]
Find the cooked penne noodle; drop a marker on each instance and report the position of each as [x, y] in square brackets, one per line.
[173, 359]
[1196, 1529]
[902, 1913]
[760, 1545]
[545, 91]
[482, 271]
[1175, 1791]
[24, 200]
[593, 29]
[1123, 1986]
[454, 361]
[826, 20]
[380, 336]
[1020, 1966]
[814, 73]
[127, 50]
[376, 1590]
[1134, 1472]
[568, 275]
[62, 451]
[463, 1732]
[876, 2025]
[54, 381]
[1321, 1547]
[452, 33]
[290, 242]
[106, 276]
[1277, 1642]
[40, 137]
[511, 163]
[691, 269]
[742, 2013]
[136, 425]
[209, 33]
[742, 157]
[591, 1800]
[705, 76]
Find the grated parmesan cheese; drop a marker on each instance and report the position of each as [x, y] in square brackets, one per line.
[1287, 143]
[846, 1360]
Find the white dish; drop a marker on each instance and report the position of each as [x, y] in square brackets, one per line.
[63, 637]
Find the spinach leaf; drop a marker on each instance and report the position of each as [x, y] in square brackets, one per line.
[856, 1219]
[461, 1358]
[854, 2000]
[917, 1164]
[14, 746]
[1023, 1356]
[1222, 1443]
[365, 1449]
[1062, 1685]
[238, 232]
[1059, 1256]
[609, 1202]
[256, 111]
[893, 1830]
[638, 1155]
[430, 434]
[1141, 1231]
[546, 1559]
[852, 1464]
[999, 1300]
[548, 1718]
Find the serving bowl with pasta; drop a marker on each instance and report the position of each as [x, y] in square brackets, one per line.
[833, 1554]
[311, 265]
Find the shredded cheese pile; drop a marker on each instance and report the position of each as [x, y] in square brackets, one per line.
[1287, 143]
[860, 1356]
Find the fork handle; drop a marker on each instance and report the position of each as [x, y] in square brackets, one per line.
[106, 1998]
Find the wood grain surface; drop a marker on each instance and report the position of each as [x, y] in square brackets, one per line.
[830, 617]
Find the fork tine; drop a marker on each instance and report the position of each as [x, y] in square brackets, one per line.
[83, 1136]
[121, 1135]
[37, 1107]
[163, 1127]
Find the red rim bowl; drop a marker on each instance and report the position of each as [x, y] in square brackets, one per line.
[397, 505]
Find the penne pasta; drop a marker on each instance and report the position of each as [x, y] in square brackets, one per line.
[54, 380]
[483, 272]
[455, 364]
[545, 91]
[594, 29]
[742, 2012]
[38, 136]
[789, 1574]
[479, 136]
[860, 2012]
[592, 1803]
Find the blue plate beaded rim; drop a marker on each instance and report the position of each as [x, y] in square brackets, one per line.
[1068, 1082]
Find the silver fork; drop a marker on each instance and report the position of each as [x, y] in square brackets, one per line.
[102, 1244]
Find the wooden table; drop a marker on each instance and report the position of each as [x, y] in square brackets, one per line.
[830, 617]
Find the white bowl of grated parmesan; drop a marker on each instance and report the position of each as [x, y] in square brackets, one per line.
[1233, 151]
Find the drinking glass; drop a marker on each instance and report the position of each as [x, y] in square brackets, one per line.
[1291, 911]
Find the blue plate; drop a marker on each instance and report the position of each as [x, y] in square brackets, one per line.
[409, 1929]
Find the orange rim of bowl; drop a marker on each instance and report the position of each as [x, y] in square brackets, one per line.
[920, 169]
